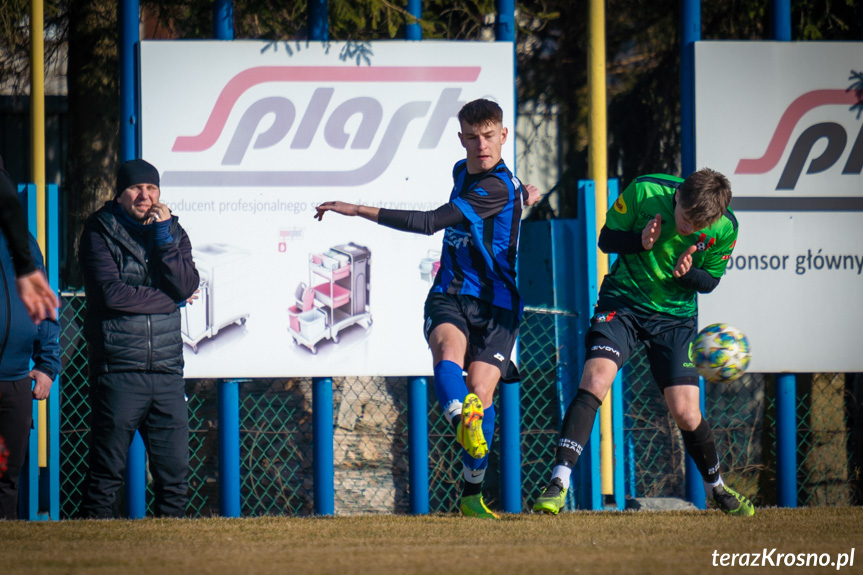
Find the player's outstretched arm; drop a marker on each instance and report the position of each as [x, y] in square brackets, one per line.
[346, 209]
[651, 232]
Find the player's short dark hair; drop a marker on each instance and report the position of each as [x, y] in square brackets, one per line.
[704, 196]
[480, 112]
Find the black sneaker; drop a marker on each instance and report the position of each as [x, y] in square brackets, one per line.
[731, 502]
[553, 497]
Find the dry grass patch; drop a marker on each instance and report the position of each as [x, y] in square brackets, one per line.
[584, 542]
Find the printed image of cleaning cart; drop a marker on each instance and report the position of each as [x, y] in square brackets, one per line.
[223, 292]
[336, 297]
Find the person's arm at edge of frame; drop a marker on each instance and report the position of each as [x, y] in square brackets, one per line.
[38, 297]
[46, 346]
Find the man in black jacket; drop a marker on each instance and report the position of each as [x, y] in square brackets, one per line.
[20, 342]
[138, 271]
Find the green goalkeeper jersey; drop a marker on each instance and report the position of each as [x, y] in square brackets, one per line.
[645, 280]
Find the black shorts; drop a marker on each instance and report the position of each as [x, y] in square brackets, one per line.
[491, 331]
[615, 330]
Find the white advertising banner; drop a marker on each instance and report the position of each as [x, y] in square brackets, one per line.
[783, 121]
[249, 136]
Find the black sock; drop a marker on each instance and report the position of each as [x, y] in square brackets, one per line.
[577, 425]
[471, 489]
[456, 420]
[701, 448]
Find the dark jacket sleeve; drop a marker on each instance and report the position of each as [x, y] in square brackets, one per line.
[14, 226]
[102, 279]
[699, 280]
[179, 276]
[46, 346]
[619, 241]
[427, 223]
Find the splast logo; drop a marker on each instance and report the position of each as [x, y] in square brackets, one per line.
[276, 121]
[834, 135]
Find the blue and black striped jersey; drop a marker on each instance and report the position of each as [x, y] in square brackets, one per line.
[479, 255]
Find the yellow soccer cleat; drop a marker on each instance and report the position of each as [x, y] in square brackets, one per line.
[731, 502]
[469, 433]
[474, 506]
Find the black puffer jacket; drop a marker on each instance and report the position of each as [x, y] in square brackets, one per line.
[134, 288]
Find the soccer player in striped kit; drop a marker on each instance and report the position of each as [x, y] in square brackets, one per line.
[473, 309]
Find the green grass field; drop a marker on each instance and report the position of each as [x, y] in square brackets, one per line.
[668, 542]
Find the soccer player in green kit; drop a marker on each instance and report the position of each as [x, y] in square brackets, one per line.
[673, 238]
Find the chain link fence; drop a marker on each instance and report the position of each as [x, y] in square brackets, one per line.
[370, 433]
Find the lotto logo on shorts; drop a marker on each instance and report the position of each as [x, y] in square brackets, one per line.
[604, 317]
[498, 356]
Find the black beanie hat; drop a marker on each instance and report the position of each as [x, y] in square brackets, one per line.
[136, 172]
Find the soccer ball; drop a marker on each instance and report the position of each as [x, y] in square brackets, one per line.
[720, 353]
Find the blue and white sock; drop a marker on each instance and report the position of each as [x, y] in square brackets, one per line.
[450, 388]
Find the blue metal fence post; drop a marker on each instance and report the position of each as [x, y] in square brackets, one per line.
[780, 20]
[690, 33]
[590, 493]
[786, 440]
[129, 38]
[318, 20]
[510, 447]
[418, 448]
[322, 445]
[413, 30]
[786, 384]
[223, 19]
[52, 480]
[229, 448]
[510, 412]
[693, 482]
[617, 394]
[136, 504]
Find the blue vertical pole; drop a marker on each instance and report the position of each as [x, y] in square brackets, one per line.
[590, 494]
[786, 440]
[504, 25]
[53, 266]
[510, 420]
[322, 445]
[617, 394]
[690, 33]
[136, 505]
[413, 30]
[229, 448]
[223, 19]
[418, 445]
[780, 20]
[318, 20]
[129, 38]
[786, 384]
[510, 447]
[693, 482]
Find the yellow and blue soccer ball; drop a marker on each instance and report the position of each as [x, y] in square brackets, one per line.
[720, 353]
